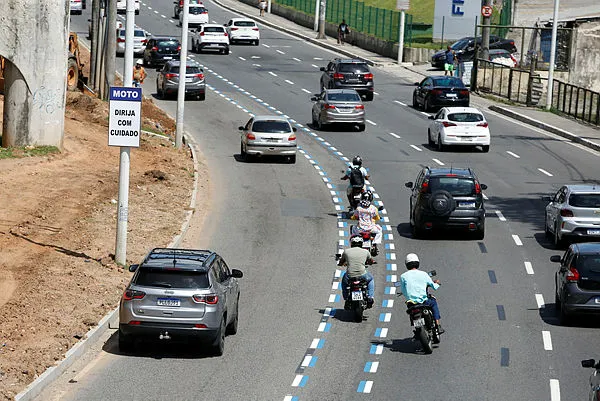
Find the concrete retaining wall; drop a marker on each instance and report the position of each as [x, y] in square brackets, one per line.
[584, 71]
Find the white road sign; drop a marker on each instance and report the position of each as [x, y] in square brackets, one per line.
[124, 123]
[402, 4]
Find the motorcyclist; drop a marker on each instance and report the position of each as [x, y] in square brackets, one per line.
[414, 283]
[356, 258]
[367, 215]
[139, 73]
[356, 164]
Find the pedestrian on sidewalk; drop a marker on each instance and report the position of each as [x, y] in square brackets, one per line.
[449, 63]
[262, 5]
[343, 30]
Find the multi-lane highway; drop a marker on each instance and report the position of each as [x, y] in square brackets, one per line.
[279, 223]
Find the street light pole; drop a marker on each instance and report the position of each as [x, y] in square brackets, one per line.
[401, 37]
[552, 57]
[322, 9]
[485, 33]
[182, 74]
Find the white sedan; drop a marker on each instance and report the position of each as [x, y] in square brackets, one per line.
[464, 126]
[243, 30]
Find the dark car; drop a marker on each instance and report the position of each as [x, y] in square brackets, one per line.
[447, 198]
[440, 91]
[594, 378]
[167, 80]
[348, 74]
[465, 49]
[577, 281]
[161, 49]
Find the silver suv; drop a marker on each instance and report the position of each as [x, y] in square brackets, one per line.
[180, 294]
[338, 106]
[573, 213]
[167, 80]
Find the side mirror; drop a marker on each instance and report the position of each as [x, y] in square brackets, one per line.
[133, 268]
[431, 117]
[241, 128]
[555, 258]
[588, 363]
[294, 129]
[313, 99]
[235, 273]
[408, 184]
[322, 69]
[417, 83]
[432, 273]
[483, 187]
[547, 199]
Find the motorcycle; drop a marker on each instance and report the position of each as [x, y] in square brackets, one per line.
[357, 291]
[368, 238]
[425, 328]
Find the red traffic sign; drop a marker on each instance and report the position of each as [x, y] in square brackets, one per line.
[486, 11]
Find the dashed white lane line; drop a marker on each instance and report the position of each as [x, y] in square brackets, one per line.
[438, 162]
[171, 21]
[297, 380]
[415, 147]
[279, 51]
[289, 82]
[545, 172]
[272, 73]
[306, 361]
[528, 268]
[373, 367]
[256, 65]
[516, 156]
[164, 16]
[317, 58]
[241, 58]
[255, 57]
[314, 65]
[149, 8]
[539, 299]
[554, 390]
[266, 45]
[155, 12]
[395, 136]
[400, 103]
[517, 240]
[371, 122]
[425, 114]
[500, 215]
[547, 340]
[305, 90]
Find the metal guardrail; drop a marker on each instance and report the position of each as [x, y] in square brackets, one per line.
[580, 103]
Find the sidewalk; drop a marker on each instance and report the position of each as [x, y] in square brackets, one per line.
[583, 134]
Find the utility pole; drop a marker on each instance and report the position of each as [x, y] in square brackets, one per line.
[110, 46]
[94, 40]
[182, 74]
[550, 88]
[401, 37]
[322, 9]
[485, 34]
[316, 26]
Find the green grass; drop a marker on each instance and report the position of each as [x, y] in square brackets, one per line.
[153, 130]
[27, 151]
[421, 10]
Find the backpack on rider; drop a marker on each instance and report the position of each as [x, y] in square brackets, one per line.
[357, 180]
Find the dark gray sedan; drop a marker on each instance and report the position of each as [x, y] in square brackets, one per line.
[167, 80]
[334, 106]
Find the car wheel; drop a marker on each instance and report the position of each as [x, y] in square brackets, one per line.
[226, 51]
[427, 105]
[441, 203]
[429, 140]
[558, 242]
[557, 305]
[563, 317]
[480, 233]
[232, 328]
[485, 148]
[256, 42]
[361, 127]
[415, 103]
[126, 343]
[546, 229]
[369, 96]
[440, 145]
[292, 159]
[159, 93]
[202, 96]
[416, 231]
[319, 124]
[137, 12]
[218, 346]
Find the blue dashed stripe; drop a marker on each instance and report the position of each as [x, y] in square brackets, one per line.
[303, 381]
[385, 303]
[388, 290]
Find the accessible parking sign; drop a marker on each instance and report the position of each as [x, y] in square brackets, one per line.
[124, 123]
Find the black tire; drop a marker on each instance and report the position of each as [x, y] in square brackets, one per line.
[358, 312]
[369, 97]
[440, 145]
[425, 341]
[218, 346]
[485, 148]
[256, 42]
[416, 231]
[426, 105]
[319, 125]
[361, 127]
[558, 243]
[480, 233]
[292, 159]
[243, 153]
[226, 51]
[563, 317]
[430, 142]
[442, 203]
[202, 96]
[159, 93]
[137, 12]
[547, 231]
[415, 103]
[72, 74]
[126, 343]
[232, 328]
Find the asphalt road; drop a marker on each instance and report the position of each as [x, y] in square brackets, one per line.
[278, 223]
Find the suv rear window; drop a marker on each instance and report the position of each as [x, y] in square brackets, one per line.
[353, 67]
[584, 200]
[214, 29]
[271, 127]
[465, 117]
[243, 23]
[455, 185]
[189, 70]
[171, 278]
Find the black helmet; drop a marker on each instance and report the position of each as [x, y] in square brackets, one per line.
[357, 161]
[367, 195]
[356, 241]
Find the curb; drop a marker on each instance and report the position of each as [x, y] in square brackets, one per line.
[546, 127]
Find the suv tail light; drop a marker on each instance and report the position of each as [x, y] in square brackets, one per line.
[155, 49]
[425, 187]
[201, 33]
[199, 76]
[225, 34]
[204, 12]
[477, 188]
[234, 29]
[572, 274]
[328, 106]
[210, 299]
[144, 41]
[484, 124]
[436, 92]
[250, 136]
[360, 106]
[128, 295]
[169, 75]
[120, 40]
[337, 75]
[255, 29]
[368, 76]
[179, 48]
[448, 124]
[464, 92]
[292, 137]
[566, 213]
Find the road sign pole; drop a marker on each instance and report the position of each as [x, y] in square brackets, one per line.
[182, 73]
[401, 37]
[550, 88]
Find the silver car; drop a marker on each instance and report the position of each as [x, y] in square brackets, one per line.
[167, 80]
[139, 41]
[268, 135]
[573, 213]
[180, 294]
[334, 106]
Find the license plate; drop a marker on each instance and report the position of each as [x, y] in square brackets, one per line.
[466, 204]
[168, 58]
[168, 302]
[593, 232]
[213, 45]
[189, 80]
[419, 322]
[357, 296]
[451, 95]
[367, 244]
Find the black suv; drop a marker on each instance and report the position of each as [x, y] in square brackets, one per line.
[465, 49]
[447, 197]
[578, 281]
[159, 50]
[348, 74]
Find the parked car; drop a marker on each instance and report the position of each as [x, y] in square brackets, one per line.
[335, 106]
[577, 289]
[438, 91]
[76, 7]
[594, 378]
[573, 213]
[139, 41]
[167, 80]
[348, 74]
[178, 9]
[210, 37]
[180, 294]
[161, 49]
[447, 197]
[461, 126]
[122, 6]
[198, 15]
[465, 49]
[504, 57]
[243, 30]
[268, 136]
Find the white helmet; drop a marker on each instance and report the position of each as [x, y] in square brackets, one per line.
[411, 260]
[140, 62]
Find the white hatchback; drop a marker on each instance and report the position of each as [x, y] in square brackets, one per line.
[243, 30]
[464, 126]
[139, 40]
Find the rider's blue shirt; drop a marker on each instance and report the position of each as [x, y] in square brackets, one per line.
[414, 283]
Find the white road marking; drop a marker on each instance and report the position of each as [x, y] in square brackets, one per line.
[171, 21]
[266, 45]
[368, 386]
[241, 58]
[547, 340]
[500, 215]
[371, 122]
[315, 343]
[279, 51]
[374, 366]
[155, 12]
[316, 66]
[297, 380]
[322, 326]
[332, 297]
[296, 58]
[289, 82]
[272, 73]
[164, 16]
[539, 298]
[376, 93]
[438, 162]
[317, 58]
[517, 240]
[255, 57]
[516, 156]
[384, 332]
[395, 136]
[545, 172]
[400, 103]
[528, 268]
[306, 361]
[387, 317]
[390, 303]
[416, 148]
[305, 90]
[425, 114]
[554, 390]
[256, 65]
[378, 349]
[149, 8]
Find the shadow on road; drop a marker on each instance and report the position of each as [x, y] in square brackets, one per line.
[160, 349]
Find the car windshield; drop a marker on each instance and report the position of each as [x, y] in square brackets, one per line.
[168, 44]
[455, 185]
[214, 29]
[585, 200]
[343, 97]
[449, 82]
[197, 10]
[171, 278]
[271, 127]
[190, 69]
[465, 117]
[589, 266]
[461, 44]
[243, 23]
[354, 67]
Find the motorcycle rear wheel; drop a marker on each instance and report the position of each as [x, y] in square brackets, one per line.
[425, 341]
[358, 312]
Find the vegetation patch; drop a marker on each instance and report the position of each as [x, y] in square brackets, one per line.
[27, 151]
